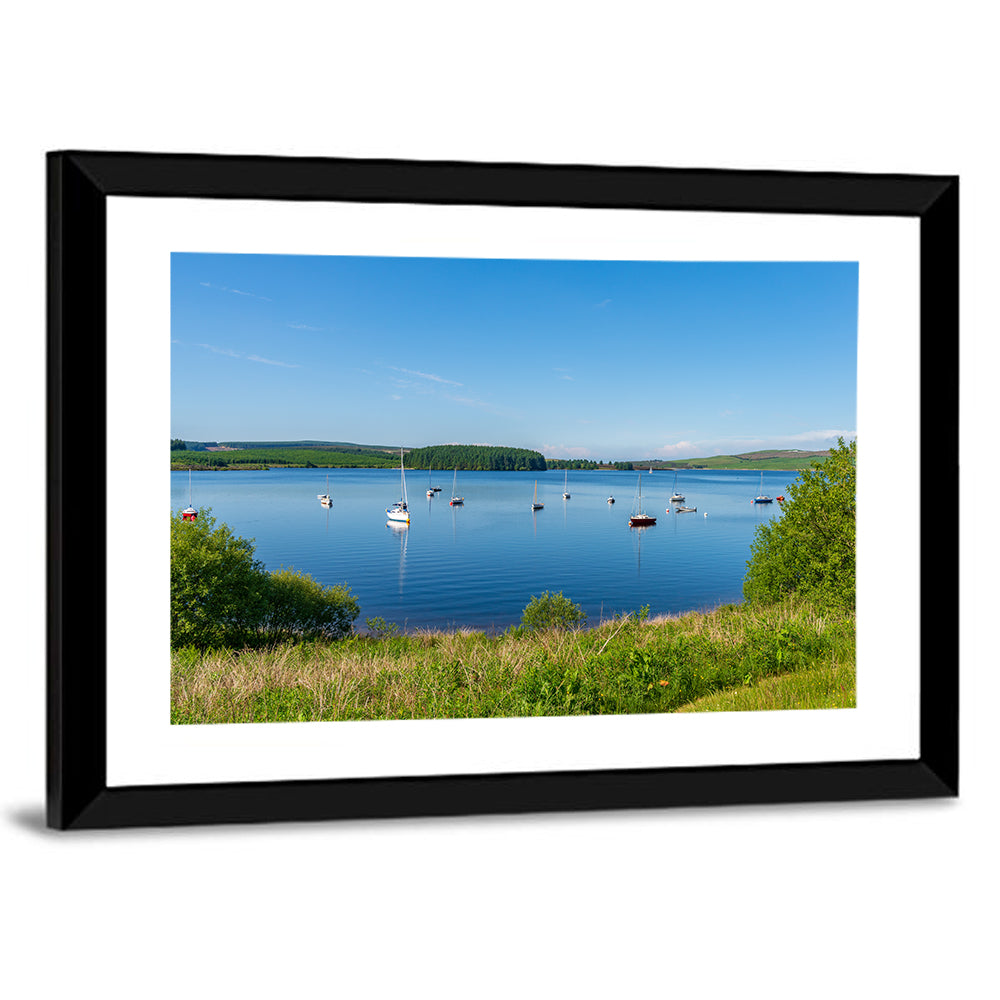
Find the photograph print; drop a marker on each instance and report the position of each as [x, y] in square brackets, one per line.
[456, 487]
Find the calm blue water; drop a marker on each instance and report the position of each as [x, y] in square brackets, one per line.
[480, 564]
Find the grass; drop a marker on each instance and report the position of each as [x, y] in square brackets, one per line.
[625, 665]
[823, 687]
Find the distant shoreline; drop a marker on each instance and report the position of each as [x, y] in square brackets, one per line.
[608, 468]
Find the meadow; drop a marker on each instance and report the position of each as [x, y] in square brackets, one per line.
[737, 657]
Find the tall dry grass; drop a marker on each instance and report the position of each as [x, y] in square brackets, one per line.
[623, 665]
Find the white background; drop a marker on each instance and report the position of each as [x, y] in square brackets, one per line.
[820, 901]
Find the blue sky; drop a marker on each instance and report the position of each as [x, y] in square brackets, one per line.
[593, 359]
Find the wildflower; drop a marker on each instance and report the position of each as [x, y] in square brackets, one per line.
[663, 684]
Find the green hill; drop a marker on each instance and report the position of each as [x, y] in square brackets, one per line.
[783, 460]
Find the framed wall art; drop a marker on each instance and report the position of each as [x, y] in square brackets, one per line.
[496, 488]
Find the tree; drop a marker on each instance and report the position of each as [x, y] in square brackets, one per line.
[221, 597]
[551, 611]
[809, 550]
[177, 444]
[216, 585]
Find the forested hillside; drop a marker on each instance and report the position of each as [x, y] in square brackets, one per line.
[476, 457]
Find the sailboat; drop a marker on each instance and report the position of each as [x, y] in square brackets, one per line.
[639, 518]
[761, 498]
[677, 497]
[566, 486]
[456, 500]
[430, 489]
[535, 505]
[398, 511]
[324, 498]
[189, 513]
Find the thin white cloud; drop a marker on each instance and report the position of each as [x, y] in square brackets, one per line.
[602, 303]
[426, 375]
[304, 326]
[681, 449]
[268, 361]
[220, 350]
[478, 403]
[565, 451]
[234, 291]
[804, 441]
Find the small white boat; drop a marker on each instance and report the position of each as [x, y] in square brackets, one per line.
[566, 485]
[677, 497]
[324, 498]
[535, 505]
[611, 499]
[761, 498]
[686, 510]
[456, 500]
[399, 511]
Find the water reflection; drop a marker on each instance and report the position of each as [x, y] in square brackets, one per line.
[638, 532]
[402, 529]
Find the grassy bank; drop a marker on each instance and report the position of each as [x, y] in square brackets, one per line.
[626, 665]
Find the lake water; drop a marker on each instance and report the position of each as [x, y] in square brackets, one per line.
[478, 565]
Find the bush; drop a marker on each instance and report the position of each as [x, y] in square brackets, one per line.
[809, 550]
[298, 607]
[551, 611]
[216, 585]
[220, 596]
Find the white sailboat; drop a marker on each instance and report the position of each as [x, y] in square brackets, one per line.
[677, 497]
[535, 505]
[761, 498]
[324, 498]
[566, 486]
[639, 518]
[399, 511]
[456, 500]
[430, 489]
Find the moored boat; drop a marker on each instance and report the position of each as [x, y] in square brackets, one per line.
[456, 500]
[639, 518]
[189, 513]
[677, 497]
[761, 497]
[399, 511]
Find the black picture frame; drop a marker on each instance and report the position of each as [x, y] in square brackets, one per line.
[79, 184]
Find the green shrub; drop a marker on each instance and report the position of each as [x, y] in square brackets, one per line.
[380, 628]
[298, 607]
[216, 585]
[809, 550]
[551, 611]
[221, 597]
